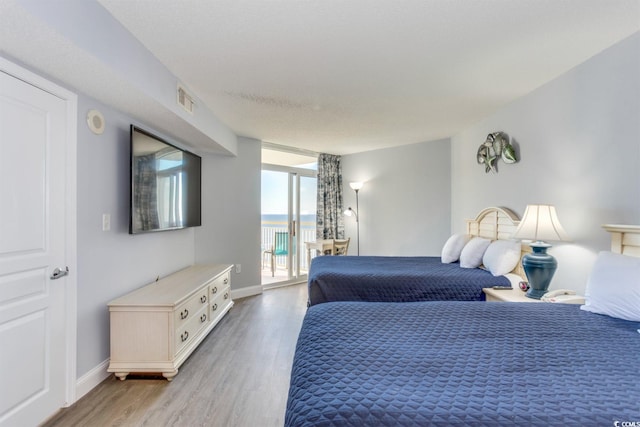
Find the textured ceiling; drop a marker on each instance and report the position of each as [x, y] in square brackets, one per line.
[343, 76]
[338, 76]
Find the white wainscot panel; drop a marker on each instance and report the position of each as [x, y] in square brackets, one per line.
[22, 285]
[23, 163]
[22, 385]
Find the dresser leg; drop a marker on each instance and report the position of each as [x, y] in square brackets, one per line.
[122, 375]
[169, 375]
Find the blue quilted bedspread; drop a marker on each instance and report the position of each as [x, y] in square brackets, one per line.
[395, 279]
[444, 363]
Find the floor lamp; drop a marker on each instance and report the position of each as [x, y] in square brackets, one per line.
[356, 186]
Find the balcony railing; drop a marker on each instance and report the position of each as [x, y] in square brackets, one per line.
[307, 234]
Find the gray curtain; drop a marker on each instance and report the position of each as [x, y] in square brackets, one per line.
[330, 221]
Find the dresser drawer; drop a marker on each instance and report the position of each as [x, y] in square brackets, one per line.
[185, 312]
[189, 329]
[221, 300]
[218, 284]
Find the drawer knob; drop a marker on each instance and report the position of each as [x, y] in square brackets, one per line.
[203, 318]
[214, 290]
[215, 307]
[203, 299]
[184, 336]
[184, 314]
[226, 280]
[226, 295]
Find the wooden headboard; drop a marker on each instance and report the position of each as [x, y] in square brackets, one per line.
[625, 239]
[494, 224]
[498, 224]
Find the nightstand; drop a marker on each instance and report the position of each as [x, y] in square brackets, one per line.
[507, 295]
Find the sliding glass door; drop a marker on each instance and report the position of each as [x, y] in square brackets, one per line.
[308, 208]
[288, 221]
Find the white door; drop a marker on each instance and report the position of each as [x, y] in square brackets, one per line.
[33, 204]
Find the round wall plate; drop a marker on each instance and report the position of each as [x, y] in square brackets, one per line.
[95, 121]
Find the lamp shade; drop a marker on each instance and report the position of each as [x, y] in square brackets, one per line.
[540, 222]
[356, 185]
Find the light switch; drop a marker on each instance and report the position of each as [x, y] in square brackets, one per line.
[106, 222]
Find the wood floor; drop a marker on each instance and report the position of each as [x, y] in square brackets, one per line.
[238, 376]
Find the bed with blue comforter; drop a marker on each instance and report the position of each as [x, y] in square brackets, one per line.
[444, 363]
[396, 279]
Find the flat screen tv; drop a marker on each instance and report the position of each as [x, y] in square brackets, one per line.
[165, 185]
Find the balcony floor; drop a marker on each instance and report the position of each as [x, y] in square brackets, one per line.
[281, 275]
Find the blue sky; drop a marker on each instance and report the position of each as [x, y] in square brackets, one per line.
[274, 193]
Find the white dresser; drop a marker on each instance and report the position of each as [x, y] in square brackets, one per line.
[155, 328]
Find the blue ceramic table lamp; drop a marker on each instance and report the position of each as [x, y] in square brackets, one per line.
[540, 222]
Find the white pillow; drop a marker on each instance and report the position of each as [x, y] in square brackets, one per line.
[471, 255]
[613, 287]
[502, 256]
[452, 248]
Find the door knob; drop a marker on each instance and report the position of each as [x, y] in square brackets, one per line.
[58, 273]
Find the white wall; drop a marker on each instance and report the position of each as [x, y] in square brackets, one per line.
[112, 263]
[405, 201]
[579, 142]
[230, 231]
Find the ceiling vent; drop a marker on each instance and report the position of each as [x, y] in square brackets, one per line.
[185, 100]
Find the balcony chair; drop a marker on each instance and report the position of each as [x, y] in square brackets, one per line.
[280, 247]
[340, 246]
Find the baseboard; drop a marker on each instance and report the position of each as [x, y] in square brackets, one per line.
[248, 291]
[91, 379]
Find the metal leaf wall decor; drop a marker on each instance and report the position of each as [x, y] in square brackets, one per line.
[496, 146]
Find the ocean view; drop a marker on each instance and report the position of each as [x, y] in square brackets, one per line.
[307, 221]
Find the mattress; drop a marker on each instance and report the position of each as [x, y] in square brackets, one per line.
[396, 279]
[444, 363]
